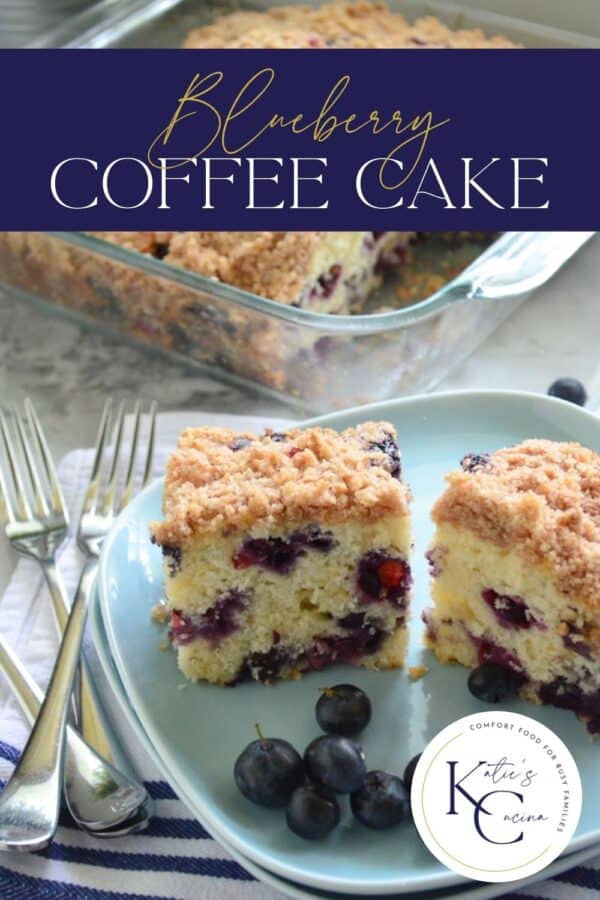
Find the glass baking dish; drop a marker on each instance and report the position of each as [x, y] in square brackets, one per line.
[318, 362]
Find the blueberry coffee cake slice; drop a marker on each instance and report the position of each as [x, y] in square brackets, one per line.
[285, 552]
[515, 565]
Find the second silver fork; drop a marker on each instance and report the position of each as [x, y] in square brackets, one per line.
[36, 526]
[30, 802]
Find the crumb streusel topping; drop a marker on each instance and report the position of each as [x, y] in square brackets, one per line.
[142, 241]
[337, 24]
[219, 481]
[268, 263]
[540, 499]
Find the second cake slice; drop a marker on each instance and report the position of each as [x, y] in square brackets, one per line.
[515, 562]
[286, 552]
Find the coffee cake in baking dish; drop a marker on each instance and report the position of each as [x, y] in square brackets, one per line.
[320, 271]
[515, 567]
[326, 272]
[286, 552]
[338, 24]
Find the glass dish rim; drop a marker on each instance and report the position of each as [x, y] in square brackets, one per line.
[466, 285]
[457, 289]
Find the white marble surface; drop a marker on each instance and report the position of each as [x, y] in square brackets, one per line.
[68, 373]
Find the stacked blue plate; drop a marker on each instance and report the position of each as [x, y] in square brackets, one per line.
[194, 735]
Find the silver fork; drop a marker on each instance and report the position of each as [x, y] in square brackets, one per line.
[37, 530]
[30, 802]
[96, 518]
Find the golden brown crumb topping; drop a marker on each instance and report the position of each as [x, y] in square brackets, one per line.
[219, 481]
[142, 241]
[273, 264]
[337, 24]
[540, 499]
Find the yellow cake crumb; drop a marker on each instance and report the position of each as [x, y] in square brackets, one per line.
[417, 672]
[160, 613]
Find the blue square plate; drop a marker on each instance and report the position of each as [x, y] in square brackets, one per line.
[198, 732]
[465, 891]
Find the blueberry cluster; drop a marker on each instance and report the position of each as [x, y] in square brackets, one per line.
[214, 625]
[389, 446]
[270, 772]
[381, 577]
[510, 612]
[280, 555]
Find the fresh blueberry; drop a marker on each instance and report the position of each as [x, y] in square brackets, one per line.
[310, 814]
[492, 683]
[343, 709]
[409, 771]
[570, 389]
[336, 763]
[268, 771]
[382, 801]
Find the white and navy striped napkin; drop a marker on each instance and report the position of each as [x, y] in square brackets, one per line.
[175, 857]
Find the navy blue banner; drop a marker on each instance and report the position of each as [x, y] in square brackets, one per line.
[295, 140]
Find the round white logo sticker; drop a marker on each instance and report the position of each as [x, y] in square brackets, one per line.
[496, 796]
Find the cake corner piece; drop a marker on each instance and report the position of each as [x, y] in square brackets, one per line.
[286, 552]
[515, 571]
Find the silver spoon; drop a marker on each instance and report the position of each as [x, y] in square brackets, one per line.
[101, 799]
[136, 822]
